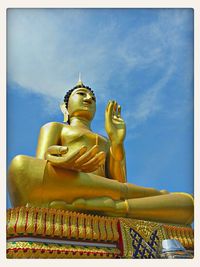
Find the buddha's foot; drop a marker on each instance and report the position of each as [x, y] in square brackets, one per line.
[62, 205]
[97, 204]
[103, 205]
[164, 192]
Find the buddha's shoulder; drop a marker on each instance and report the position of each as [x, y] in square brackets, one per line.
[53, 126]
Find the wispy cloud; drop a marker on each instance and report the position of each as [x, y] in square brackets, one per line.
[159, 45]
[149, 102]
[47, 49]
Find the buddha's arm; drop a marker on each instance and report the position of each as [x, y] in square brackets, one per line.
[116, 130]
[116, 164]
[50, 134]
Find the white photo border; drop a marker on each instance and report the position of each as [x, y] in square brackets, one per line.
[5, 4]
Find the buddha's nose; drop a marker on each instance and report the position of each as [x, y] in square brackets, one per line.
[88, 99]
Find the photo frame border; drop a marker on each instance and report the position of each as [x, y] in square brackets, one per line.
[99, 4]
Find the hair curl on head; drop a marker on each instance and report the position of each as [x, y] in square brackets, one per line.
[66, 97]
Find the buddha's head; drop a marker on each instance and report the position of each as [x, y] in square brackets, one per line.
[80, 102]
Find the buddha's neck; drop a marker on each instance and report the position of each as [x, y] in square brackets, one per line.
[80, 122]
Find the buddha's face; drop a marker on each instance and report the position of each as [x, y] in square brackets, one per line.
[82, 104]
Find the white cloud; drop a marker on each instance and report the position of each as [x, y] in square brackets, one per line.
[47, 49]
[148, 103]
[159, 45]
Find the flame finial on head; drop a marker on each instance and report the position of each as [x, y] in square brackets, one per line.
[79, 80]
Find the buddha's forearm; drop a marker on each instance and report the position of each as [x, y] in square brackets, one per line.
[49, 135]
[117, 163]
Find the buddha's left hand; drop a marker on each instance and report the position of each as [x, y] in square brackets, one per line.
[114, 124]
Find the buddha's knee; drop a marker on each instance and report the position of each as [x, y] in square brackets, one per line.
[26, 167]
[190, 208]
[25, 177]
[185, 198]
[17, 168]
[183, 204]
[16, 178]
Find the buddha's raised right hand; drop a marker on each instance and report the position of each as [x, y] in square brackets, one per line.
[80, 159]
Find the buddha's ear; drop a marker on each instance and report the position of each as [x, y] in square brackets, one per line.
[64, 111]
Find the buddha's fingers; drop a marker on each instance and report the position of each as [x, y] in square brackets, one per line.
[94, 163]
[115, 109]
[117, 120]
[117, 116]
[99, 157]
[55, 160]
[71, 159]
[119, 111]
[109, 111]
[57, 150]
[90, 154]
[95, 166]
[68, 159]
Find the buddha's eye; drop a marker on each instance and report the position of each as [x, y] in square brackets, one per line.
[80, 93]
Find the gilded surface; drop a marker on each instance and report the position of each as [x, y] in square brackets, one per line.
[144, 228]
[141, 239]
[45, 250]
[57, 223]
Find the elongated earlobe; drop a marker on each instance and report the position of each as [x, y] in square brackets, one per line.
[64, 111]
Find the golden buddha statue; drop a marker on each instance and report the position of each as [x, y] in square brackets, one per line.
[76, 169]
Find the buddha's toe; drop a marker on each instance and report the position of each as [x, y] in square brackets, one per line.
[164, 192]
[103, 204]
[122, 207]
[80, 203]
[62, 205]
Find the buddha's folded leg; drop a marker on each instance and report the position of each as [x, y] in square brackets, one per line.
[171, 208]
[68, 185]
[37, 182]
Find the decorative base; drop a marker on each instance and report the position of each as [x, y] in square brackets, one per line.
[51, 233]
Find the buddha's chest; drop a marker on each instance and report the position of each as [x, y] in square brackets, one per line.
[76, 138]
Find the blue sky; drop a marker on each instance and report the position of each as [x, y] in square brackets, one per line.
[143, 58]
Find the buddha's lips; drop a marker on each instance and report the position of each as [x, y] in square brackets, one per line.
[89, 101]
[85, 103]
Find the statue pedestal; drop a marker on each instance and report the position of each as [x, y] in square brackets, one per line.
[50, 233]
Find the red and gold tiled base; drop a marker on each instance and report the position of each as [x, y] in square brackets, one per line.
[54, 223]
[50, 233]
[43, 250]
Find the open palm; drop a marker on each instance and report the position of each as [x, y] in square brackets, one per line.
[114, 124]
